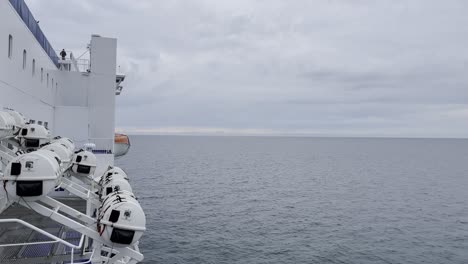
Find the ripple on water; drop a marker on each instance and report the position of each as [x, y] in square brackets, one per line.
[301, 200]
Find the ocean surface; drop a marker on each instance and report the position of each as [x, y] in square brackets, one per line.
[301, 200]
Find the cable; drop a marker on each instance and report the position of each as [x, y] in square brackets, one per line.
[26, 203]
[4, 187]
[82, 54]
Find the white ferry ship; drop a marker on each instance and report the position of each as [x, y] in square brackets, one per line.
[62, 200]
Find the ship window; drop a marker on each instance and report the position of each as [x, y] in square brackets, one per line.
[33, 67]
[10, 46]
[52, 83]
[46, 125]
[42, 74]
[47, 80]
[39, 123]
[32, 121]
[24, 59]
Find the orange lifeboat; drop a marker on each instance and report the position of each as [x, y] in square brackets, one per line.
[121, 145]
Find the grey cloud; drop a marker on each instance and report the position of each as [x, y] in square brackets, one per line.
[391, 68]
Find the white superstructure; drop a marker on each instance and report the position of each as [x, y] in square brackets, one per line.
[43, 98]
[55, 94]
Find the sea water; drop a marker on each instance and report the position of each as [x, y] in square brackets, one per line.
[301, 200]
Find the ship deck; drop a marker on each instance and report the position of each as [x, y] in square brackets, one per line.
[12, 233]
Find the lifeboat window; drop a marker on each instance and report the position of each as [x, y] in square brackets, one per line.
[15, 168]
[83, 169]
[32, 143]
[10, 46]
[33, 67]
[122, 236]
[114, 216]
[25, 57]
[29, 188]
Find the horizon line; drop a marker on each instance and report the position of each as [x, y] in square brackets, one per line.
[288, 136]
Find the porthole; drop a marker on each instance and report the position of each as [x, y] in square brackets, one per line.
[25, 57]
[10, 46]
[33, 67]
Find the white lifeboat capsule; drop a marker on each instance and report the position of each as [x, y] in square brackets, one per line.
[20, 120]
[32, 136]
[115, 183]
[66, 141]
[112, 171]
[113, 195]
[84, 163]
[7, 125]
[117, 170]
[62, 151]
[32, 176]
[122, 221]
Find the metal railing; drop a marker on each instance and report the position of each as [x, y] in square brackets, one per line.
[77, 64]
[83, 65]
[54, 239]
[28, 19]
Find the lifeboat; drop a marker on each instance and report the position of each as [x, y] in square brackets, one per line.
[7, 125]
[121, 145]
[63, 152]
[114, 180]
[32, 176]
[32, 136]
[84, 163]
[121, 220]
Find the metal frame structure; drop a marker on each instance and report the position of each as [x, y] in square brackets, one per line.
[65, 215]
[54, 239]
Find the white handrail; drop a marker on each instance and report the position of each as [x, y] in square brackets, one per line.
[54, 238]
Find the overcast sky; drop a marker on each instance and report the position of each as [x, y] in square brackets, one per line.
[299, 67]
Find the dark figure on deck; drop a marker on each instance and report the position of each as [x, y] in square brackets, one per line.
[63, 54]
